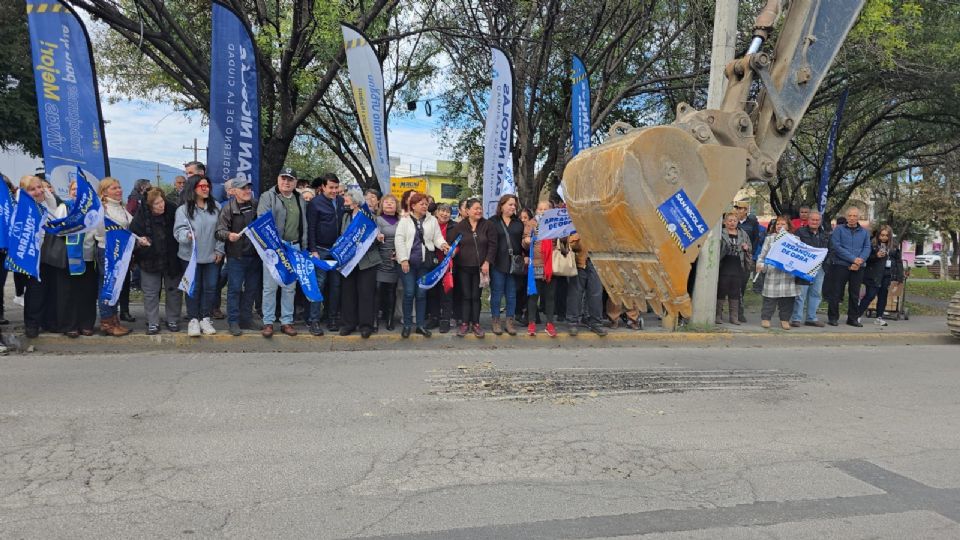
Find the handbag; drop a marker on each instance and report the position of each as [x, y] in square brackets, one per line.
[54, 251]
[517, 265]
[564, 264]
[430, 260]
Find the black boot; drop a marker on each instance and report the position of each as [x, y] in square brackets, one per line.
[390, 305]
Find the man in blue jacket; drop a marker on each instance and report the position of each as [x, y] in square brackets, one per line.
[324, 224]
[849, 249]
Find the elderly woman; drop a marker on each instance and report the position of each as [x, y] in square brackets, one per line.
[735, 259]
[111, 195]
[160, 268]
[389, 272]
[418, 237]
[40, 298]
[780, 288]
[358, 288]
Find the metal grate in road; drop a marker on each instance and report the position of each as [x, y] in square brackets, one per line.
[487, 382]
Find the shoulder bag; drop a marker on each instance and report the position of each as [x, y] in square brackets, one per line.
[564, 264]
[430, 260]
[517, 266]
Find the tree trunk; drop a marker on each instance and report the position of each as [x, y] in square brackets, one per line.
[272, 153]
[955, 241]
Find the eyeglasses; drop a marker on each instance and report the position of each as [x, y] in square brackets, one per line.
[203, 186]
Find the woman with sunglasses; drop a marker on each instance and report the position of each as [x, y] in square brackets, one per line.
[196, 223]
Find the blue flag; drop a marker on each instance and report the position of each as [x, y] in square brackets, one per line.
[831, 151]
[188, 281]
[352, 244]
[71, 124]
[580, 106]
[6, 211]
[265, 238]
[25, 237]
[86, 212]
[117, 253]
[306, 272]
[682, 219]
[431, 278]
[531, 277]
[234, 141]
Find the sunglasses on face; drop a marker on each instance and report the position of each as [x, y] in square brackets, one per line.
[203, 186]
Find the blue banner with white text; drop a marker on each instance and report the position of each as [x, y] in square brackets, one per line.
[306, 272]
[234, 140]
[86, 211]
[682, 219]
[6, 211]
[352, 244]
[580, 106]
[25, 237]
[431, 278]
[831, 152]
[118, 250]
[265, 237]
[71, 124]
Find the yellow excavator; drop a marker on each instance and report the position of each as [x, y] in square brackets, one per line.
[644, 199]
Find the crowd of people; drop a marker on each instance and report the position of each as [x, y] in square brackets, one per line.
[414, 235]
[858, 258]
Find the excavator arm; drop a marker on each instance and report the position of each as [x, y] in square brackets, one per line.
[642, 200]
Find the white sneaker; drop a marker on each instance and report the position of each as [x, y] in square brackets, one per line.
[193, 329]
[207, 327]
[880, 322]
[859, 320]
[18, 300]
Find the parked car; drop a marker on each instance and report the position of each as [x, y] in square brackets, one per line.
[927, 259]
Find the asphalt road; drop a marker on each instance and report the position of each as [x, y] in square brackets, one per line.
[834, 442]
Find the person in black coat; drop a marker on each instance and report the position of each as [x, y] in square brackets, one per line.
[159, 266]
[884, 266]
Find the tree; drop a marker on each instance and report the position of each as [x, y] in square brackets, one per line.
[934, 201]
[900, 66]
[158, 49]
[638, 52]
[19, 123]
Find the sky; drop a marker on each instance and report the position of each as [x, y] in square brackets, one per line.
[154, 131]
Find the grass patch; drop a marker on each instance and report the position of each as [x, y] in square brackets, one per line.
[941, 290]
[924, 310]
[697, 328]
[920, 273]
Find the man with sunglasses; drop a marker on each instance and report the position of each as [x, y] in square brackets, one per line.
[244, 269]
[290, 215]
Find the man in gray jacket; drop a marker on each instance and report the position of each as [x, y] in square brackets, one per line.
[290, 215]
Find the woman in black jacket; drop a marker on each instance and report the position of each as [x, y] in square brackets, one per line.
[159, 266]
[510, 252]
[884, 266]
[475, 257]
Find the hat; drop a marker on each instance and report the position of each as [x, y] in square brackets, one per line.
[235, 183]
[288, 171]
[741, 204]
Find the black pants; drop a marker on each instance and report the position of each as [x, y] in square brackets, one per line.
[20, 283]
[387, 303]
[441, 301]
[878, 291]
[547, 290]
[77, 301]
[468, 281]
[40, 300]
[730, 287]
[841, 278]
[123, 304]
[785, 305]
[358, 305]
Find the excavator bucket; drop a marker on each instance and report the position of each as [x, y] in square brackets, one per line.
[642, 203]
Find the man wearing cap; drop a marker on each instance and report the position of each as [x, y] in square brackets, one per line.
[244, 268]
[290, 216]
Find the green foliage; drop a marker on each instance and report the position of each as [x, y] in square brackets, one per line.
[887, 25]
[19, 123]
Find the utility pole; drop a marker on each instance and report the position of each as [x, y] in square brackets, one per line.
[196, 150]
[708, 263]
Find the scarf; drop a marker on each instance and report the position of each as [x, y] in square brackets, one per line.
[546, 251]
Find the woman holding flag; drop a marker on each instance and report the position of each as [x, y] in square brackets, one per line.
[418, 237]
[77, 282]
[542, 262]
[358, 308]
[475, 257]
[111, 195]
[195, 230]
[40, 294]
[780, 288]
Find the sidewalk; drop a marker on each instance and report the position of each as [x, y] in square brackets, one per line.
[918, 330]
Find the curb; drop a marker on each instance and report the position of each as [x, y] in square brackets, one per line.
[253, 343]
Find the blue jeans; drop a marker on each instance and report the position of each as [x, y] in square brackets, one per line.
[243, 286]
[205, 291]
[808, 300]
[331, 297]
[270, 299]
[502, 283]
[410, 288]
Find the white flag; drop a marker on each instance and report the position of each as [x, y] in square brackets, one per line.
[497, 157]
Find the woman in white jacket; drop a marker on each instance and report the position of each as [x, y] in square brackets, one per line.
[417, 240]
[111, 195]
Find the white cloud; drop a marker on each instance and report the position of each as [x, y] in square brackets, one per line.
[152, 131]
